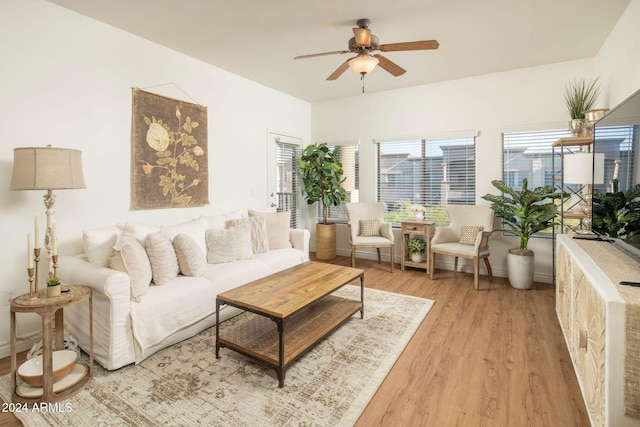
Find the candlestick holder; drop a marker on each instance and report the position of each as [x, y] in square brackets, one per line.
[33, 275]
[54, 260]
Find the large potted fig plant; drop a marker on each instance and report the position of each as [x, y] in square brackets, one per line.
[523, 212]
[322, 177]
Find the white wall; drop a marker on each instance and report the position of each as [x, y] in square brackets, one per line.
[526, 99]
[66, 81]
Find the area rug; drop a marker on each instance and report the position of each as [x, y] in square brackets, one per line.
[186, 385]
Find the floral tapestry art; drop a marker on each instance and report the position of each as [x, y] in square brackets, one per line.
[170, 161]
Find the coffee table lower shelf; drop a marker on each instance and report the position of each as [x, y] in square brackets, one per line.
[260, 338]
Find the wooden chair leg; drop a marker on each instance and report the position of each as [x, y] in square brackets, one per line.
[476, 273]
[353, 257]
[455, 265]
[486, 262]
[432, 264]
[391, 249]
[379, 257]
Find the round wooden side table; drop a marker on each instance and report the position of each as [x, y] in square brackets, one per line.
[50, 308]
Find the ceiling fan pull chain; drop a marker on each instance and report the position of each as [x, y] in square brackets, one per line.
[362, 78]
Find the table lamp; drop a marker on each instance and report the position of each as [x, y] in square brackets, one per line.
[586, 170]
[47, 168]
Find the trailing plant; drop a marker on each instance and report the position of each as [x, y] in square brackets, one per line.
[322, 177]
[617, 214]
[416, 245]
[524, 212]
[581, 96]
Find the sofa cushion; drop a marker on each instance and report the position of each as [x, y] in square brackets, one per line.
[219, 221]
[469, 234]
[98, 243]
[191, 258]
[229, 244]
[259, 236]
[195, 229]
[128, 255]
[278, 225]
[139, 231]
[162, 256]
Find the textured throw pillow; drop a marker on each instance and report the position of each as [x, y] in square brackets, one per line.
[128, 255]
[369, 228]
[219, 220]
[194, 229]
[191, 258]
[229, 244]
[162, 256]
[278, 226]
[259, 236]
[469, 234]
[98, 243]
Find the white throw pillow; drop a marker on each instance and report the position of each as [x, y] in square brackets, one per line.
[259, 236]
[278, 228]
[162, 256]
[195, 229]
[139, 231]
[229, 244]
[128, 255]
[98, 243]
[219, 221]
[191, 258]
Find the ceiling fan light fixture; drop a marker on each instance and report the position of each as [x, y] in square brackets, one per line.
[363, 63]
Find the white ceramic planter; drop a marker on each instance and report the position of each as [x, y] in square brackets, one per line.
[416, 257]
[520, 270]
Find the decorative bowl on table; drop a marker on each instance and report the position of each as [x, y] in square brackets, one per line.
[63, 362]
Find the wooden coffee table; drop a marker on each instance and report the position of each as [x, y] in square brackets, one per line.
[291, 311]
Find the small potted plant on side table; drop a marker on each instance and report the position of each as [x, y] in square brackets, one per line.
[53, 287]
[416, 247]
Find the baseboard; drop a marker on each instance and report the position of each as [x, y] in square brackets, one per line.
[22, 344]
[440, 264]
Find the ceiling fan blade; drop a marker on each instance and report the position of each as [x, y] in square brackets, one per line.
[390, 66]
[313, 55]
[341, 69]
[419, 45]
[363, 36]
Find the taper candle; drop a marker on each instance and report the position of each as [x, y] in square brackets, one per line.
[29, 251]
[54, 238]
[37, 226]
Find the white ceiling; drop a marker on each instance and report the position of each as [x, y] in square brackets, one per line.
[257, 39]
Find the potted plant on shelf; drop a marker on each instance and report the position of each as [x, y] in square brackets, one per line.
[524, 213]
[53, 286]
[322, 177]
[580, 96]
[416, 247]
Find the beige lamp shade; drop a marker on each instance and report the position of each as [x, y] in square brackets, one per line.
[46, 168]
[580, 168]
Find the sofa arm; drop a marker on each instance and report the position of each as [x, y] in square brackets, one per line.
[386, 230]
[73, 270]
[299, 238]
[444, 235]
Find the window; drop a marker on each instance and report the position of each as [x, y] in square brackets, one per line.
[529, 155]
[620, 147]
[428, 172]
[348, 155]
[287, 179]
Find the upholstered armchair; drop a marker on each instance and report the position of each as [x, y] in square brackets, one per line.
[368, 229]
[466, 236]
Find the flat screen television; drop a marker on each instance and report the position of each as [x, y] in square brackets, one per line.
[617, 136]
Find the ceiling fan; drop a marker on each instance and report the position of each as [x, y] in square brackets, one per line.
[363, 43]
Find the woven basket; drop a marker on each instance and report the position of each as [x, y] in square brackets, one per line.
[326, 241]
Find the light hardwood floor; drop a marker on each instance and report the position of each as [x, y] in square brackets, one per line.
[494, 357]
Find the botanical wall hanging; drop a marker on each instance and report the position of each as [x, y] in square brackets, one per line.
[170, 156]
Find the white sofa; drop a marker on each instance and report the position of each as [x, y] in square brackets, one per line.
[127, 331]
